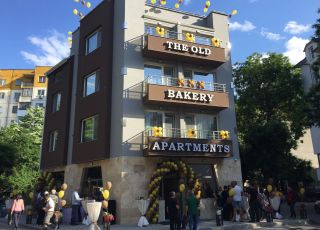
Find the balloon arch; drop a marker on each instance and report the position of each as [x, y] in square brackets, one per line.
[184, 171]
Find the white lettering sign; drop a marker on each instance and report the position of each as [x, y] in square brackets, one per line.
[185, 48]
[189, 96]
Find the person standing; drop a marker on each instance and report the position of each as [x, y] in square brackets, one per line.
[172, 210]
[49, 210]
[76, 202]
[193, 211]
[40, 204]
[17, 209]
[236, 201]
[291, 200]
[253, 202]
[8, 203]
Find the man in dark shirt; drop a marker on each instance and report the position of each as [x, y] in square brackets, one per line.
[253, 202]
[172, 210]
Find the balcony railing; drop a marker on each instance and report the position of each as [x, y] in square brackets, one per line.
[26, 84]
[184, 133]
[170, 81]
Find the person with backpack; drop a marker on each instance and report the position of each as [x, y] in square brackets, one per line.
[16, 210]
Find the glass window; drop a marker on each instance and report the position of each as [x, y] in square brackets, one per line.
[2, 95]
[89, 129]
[14, 109]
[26, 92]
[2, 82]
[93, 41]
[208, 78]
[42, 79]
[56, 102]
[17, 96]
[203, 40]
[206, 176]
[53, 139]
[39, 105]
[152, 119]
[206, 124]
[160, 75]
[24, 105]
[91, 84]
[41, 92]
[18, 82]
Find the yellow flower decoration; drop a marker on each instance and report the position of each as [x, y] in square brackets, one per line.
[216, 42]
[160, 31]
[163, 2]
[190, 37]
[153, 2]
[200, 85]
[224, 135]
[191, 133]
[191, 83]
[180, 82]
[157, 131]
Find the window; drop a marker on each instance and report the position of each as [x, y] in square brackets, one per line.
[2, 95]
[26, 92]
[93, 41]
[56, 102]
[53, 139]
[169, 32]
[41, 93]
[14, 109]
[208, 78]
[161, 75]
[39, 105]
[89, 129]
[24, 105]
[17, 96]
[42, 79]
[203, 40]
[2, 82]
[18, 82]
[91, 84]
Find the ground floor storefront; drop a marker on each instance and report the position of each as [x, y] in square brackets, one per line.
[138, 178]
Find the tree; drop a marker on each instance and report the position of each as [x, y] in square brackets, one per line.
[271, 116]
[23, 139]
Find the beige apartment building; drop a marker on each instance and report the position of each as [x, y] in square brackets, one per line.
[146, 90]
[20, 89]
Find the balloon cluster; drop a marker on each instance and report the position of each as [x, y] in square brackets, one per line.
[180, 82]
[157, 131]
[190, 37]
[64, 187]
[160, 31]
[216, 42]
[191, 133]
[191, 83]
[106, 194]
[206, 6]
[70, 38]
[224, 135]
[197, 189]
[165, 167]
[84, 3]
[177, 5]
[200, 84]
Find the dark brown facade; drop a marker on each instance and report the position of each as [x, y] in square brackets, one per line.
[170, 95]
[173, 49]
[60, 81]
[99, 103]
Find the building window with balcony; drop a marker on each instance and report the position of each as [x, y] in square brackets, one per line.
[24, 105]
[93, 41]
[42, 79]
[18, 82]
[14, 109]
[56, 102]
[16, 96]
[89, 129]
[2, 94]
[168, 32]
[27, 92]
[91, 84]
[2, 82]
[160, 75]
[53, 140]
[41, 93]
[209, 79]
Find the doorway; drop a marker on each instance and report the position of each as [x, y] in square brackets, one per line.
[169, 183]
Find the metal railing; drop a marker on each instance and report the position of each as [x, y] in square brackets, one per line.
[27, 84]
[171, 81]
[182, 133]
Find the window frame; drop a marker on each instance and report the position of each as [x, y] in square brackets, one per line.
[97, 83]
[16, 82]
[2, 95]
[14, 110]
[97, 32]
[41, 95]
[3, 82]
[56, 107]
[95, 129]
[53, 140]
[42, 77]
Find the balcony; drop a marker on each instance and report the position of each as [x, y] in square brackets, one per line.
[179, 92]
[21, 112]
[25, 98]
[186, 143]
[26, 84]
[171, 48]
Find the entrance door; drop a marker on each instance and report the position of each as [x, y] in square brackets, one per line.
[169, 183]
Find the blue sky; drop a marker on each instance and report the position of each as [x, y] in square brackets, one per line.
[35, 32]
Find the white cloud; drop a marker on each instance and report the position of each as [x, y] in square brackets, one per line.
[294, 49]
[51, 49]
[271, 36]
[245, 27]
[293, 27]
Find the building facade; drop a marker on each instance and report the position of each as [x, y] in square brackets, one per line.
[143, 85]
[309, 144]
[20, 89]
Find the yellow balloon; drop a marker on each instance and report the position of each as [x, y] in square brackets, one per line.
[177, 5]
[153, 2]
[88, 4]
[182, 187]
[105, 204]
[105, 194]
[205, 10]
[231, 192]
[234, 12]
[61, 194]
[76, 0]
[208, 3]
[269, 188]
[75, 11]
[70, 33]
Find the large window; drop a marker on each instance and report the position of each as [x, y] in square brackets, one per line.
[89, 129]
[161, 75]
[53, 140]
[152, 30]
[2, 82]
[18, 82]
[14, 109]
[93, 41]
[42, 79]
[207, 179]
[91, 84]
[208, 78]
[2, 95]
[17, 96]
[41, 93]
[27, 92]
[56, 102]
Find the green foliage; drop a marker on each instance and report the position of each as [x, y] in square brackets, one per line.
[271, 117]
[24, 141]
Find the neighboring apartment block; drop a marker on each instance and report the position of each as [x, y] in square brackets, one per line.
[309, 145]
[20, 89]
[143, 85]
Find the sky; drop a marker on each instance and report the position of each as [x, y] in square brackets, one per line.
[34, 32]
